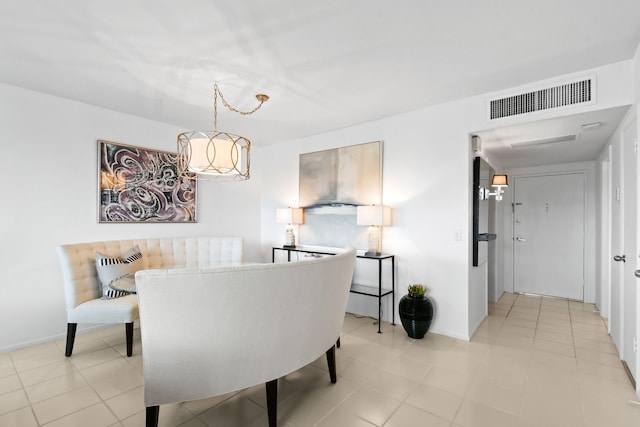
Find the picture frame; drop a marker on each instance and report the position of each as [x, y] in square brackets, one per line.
[350, 175]
[142, 185]
[332, 183]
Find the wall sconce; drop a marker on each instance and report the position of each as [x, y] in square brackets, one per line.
[374, 217]
[289, 216]
[497, 181]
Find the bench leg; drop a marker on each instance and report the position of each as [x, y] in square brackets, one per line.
[152, 416]
[71, 337]
[331, 361]
[272, 402]
[129, 331]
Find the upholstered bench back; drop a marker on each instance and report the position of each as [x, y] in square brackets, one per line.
[78, 261]
[212, 331]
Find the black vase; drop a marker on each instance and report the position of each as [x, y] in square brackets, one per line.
[416, 315]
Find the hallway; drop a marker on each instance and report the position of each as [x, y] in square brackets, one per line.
[563, 361]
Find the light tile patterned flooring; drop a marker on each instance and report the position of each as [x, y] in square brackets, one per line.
[533, 362]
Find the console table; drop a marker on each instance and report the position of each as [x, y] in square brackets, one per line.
[378, 292]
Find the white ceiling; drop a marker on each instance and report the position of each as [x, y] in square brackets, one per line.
[543, 142]
[325, 65]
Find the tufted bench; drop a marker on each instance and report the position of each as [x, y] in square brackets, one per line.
[208, 332]
[83, 289]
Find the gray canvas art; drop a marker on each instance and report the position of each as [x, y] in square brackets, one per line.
[348, 175]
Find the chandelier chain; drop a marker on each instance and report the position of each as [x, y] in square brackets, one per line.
[216, 91]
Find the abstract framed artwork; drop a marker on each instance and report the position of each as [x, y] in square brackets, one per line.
[138, 184]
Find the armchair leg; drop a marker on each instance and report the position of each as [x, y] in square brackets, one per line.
[331, 361]
[129, 331]
[272, 402]
[152, 416]
[71, 337]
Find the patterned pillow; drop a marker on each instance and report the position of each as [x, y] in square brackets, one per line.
[112, 268]
[121, 286]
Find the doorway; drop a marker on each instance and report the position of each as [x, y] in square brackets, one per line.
[549, 235]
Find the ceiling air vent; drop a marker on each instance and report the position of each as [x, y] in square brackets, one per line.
[543, 99]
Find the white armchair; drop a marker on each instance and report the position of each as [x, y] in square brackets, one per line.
[210, 332]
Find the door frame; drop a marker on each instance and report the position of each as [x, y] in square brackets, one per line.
[603, 302]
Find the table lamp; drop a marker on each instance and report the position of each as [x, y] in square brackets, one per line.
[289, 216]
[374, 217]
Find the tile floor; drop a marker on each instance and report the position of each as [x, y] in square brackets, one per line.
[533, 362]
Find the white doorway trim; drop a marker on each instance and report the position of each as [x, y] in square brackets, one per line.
[603, 302]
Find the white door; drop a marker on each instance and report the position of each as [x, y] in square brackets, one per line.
[548, 232]
[617, 247]
[630, 282]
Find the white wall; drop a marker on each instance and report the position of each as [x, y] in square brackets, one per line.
[496, 268]
[636, 75]
[49, 161]
[425, 180]
[603, 236]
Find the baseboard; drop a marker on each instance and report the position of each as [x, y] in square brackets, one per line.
[56, 337]
[628, 371]
[25, 344]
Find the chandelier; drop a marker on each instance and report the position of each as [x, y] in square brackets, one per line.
[215, 155]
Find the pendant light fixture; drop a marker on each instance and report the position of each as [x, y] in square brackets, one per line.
[216, 155]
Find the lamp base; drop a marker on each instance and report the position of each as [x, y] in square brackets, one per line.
[373, 240]
[289, 237]
[289, 246]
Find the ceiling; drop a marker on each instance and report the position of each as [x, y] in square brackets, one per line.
[325, 65]
[574, 138]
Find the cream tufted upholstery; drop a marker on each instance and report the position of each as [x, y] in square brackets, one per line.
[210, 332]
[82, 286]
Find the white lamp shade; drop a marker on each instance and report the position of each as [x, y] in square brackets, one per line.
[373, 215]
[219, 155]
[289, 216]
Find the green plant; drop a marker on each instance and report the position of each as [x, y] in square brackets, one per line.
[417, 291]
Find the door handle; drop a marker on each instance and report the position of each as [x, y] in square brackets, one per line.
[637, 273]
[622, 258]
[520, 239]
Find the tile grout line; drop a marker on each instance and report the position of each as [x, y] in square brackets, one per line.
[79, 371]
[24, 390]
[359, 387]
[527, 375]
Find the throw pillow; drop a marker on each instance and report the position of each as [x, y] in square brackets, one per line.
[121, 286]
[111, 268]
